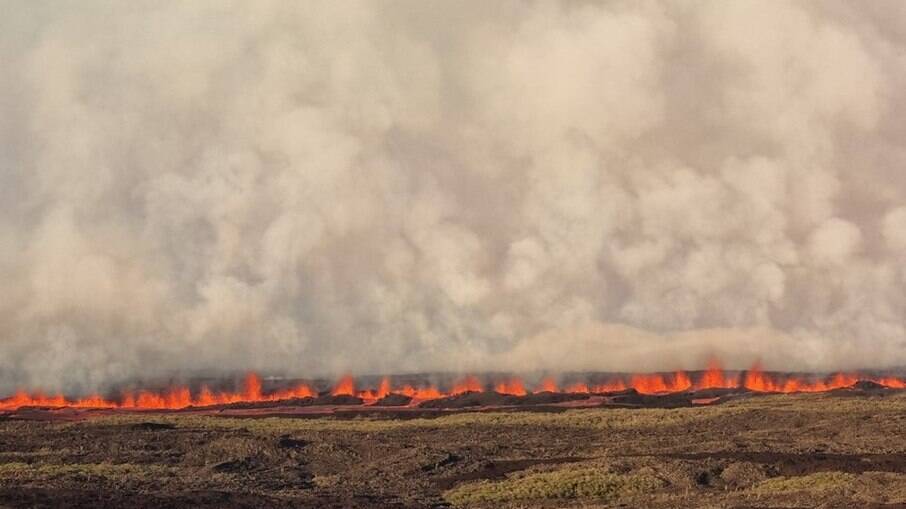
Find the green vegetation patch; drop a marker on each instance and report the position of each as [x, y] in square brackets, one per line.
[608, 419]
[815, 483]
[584, 483]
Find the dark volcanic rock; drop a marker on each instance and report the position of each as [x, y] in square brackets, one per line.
[624, 392]
[337, 400]
[447, 460]
[863, 388]
[288, 442]
[270, 404]
[235, 466]
[393, 400]
[631, 397]
[718, 392]
[868, 385]
[469, 399]
[152, 426]
[326, 400]
[54, 497]
[491, 398]
[548, 398]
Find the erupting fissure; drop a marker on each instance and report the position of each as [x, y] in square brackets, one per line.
[178, 397]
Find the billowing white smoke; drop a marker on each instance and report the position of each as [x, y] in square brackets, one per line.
[382, 187]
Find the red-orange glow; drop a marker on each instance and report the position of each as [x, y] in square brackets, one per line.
[547, 385]
[21, 398]
[178, 396]
[174, 398]
[681, 382]
[615, 385]
[252, 387]
[205, 398]
[467, 384]
[513, 386]
[656, 383]
[384, 389]
[758, 380]
[893, 383]
[299, 391]
[714, 378]
[94, 401]
[421, 393]
[345, 387]
[648, 384]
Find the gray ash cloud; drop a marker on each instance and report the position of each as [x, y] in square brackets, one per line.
[314, 188]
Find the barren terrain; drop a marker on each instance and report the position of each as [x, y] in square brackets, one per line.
[839, 449]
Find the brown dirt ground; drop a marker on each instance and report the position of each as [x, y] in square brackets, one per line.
[819, 450]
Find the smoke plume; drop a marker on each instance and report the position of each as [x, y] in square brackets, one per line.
[324, 187]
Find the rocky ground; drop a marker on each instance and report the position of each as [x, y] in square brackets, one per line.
[841, 449]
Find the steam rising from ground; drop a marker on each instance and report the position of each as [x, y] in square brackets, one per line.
[311, 188]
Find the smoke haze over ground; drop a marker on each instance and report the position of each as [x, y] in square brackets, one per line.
[315, 188]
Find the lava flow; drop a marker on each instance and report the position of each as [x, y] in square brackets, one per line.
[179, 397]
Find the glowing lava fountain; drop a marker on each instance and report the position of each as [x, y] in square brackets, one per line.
[179, 397]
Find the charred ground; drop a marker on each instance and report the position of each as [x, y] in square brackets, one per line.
[844, 448]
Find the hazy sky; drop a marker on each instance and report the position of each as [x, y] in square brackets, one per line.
[314, 188]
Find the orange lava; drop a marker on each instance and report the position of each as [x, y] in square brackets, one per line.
[714, 378]
[514, 387]
[345, 387]
[655, 384]
[467, 384]
[384, 389]
[177, 397]
[421, 393]
[547, 385]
